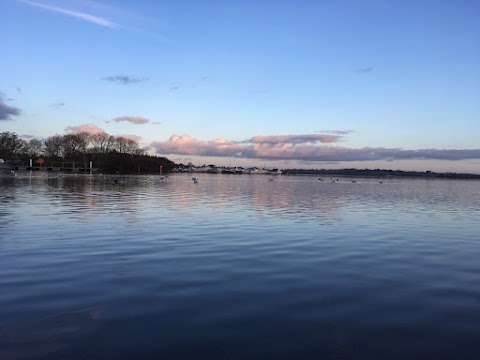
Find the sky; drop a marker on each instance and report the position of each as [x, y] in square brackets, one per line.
[275, 83]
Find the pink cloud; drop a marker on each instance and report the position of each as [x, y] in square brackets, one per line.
[187, 145]
[308, 147]
[132, 119]
[87, 128]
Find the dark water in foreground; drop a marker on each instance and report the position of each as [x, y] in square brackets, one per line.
[239, 267]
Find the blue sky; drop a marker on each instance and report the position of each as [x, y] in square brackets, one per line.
[395, 84]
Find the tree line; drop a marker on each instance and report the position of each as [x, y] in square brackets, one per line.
[108, 153]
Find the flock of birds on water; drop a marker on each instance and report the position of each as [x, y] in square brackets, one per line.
[195, 180]
[353, 181]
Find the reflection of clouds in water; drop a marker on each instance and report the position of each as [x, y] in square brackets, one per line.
[229, 235]
[85, 198]
[134, 199]
[303, 198]
[287, 196]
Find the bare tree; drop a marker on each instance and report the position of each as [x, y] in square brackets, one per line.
[102, 143]
[85, 141]
[120, 144]
[139, 152]
[74, 145]
[33, 148]
[10, 145]
[54, 146]
[127, 146]
[131, 147]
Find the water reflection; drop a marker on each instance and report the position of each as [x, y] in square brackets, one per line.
[234, 260]
[302, 197]
[7, 201]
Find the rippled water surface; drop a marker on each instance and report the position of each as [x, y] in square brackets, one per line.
[238, 267]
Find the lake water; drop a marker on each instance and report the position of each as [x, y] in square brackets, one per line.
[238, 267]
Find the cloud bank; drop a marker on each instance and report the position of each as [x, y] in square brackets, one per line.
[97, 20]
[132, 120]
[124, 80]
[186, 145]
[309, 147]
[6, 111]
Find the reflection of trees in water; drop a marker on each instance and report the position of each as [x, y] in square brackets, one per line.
[98, 194]
[299, 197]
[7, 199]
[81, 196]
[92, 196]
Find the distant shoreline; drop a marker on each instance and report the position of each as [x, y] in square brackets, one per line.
[382, 173]
[365, 173]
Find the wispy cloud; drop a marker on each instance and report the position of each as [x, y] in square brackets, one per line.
[175, 86]
[310, 147]
[101, 21]
[7, 111]
[337, 132]
[365, 70]
[125, 80]
[132, 120]
[295, 139]
[58, 104]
